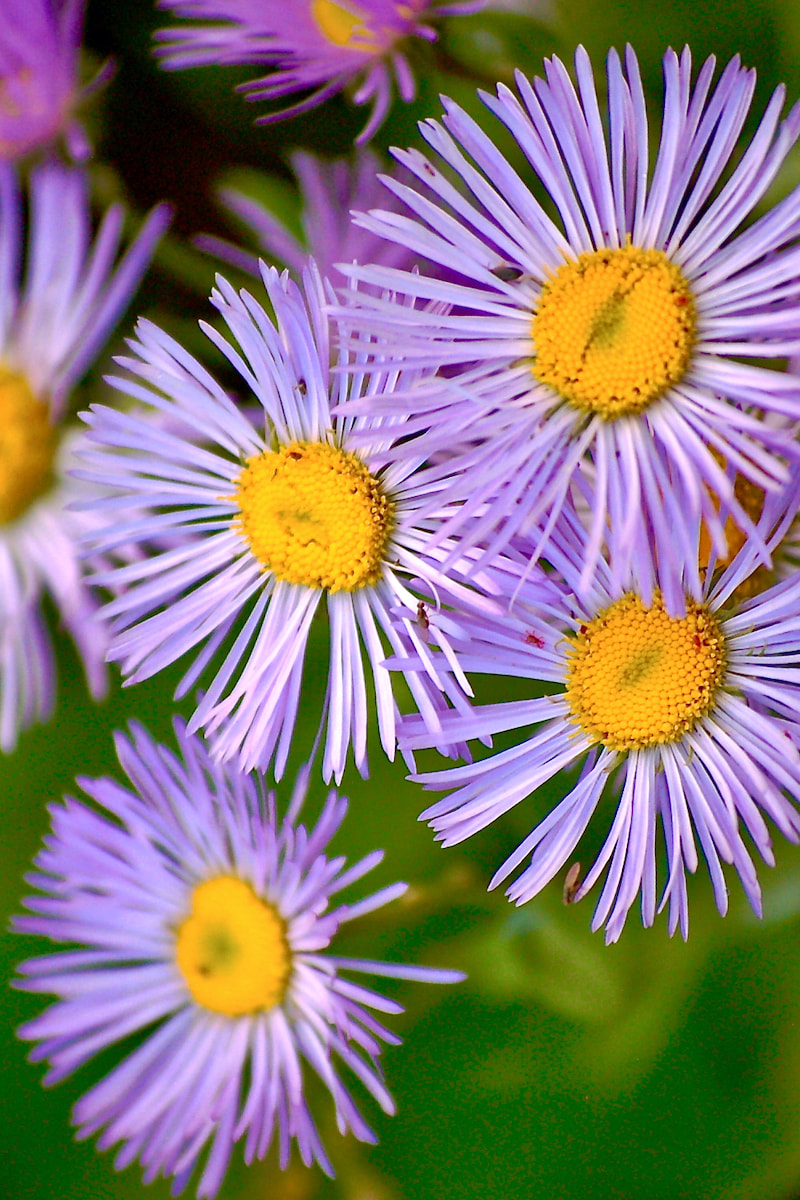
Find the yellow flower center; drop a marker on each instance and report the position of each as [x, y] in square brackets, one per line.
[344, 25]
[314, 515]
[27, 446]
[637, 677]
[613, 330]
[232, 950]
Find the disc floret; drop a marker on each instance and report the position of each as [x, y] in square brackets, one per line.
[315, 516]
[28, 443]
[613, 330]
[232, 949]
[638, 677]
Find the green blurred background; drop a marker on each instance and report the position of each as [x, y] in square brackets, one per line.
[650, 1070]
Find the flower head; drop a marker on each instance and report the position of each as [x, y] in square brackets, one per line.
[594, 346]
[39, 51]
[327, 45]
[52, 325]
[690, 721]
[283, 516]
[197, 918]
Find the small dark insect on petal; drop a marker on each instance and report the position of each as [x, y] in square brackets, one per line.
[507, 273]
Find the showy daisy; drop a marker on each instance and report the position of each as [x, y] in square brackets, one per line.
[39, 55]
[320, 48]
[52, 325]
[690, 721]
[328, 192]
[283, 517]
[201, 921]
[601, 318]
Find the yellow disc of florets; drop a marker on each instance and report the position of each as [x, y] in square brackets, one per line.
[638, 677]
[613, 330]
[344, 25]
[232, 951]
[314, 515]
[27, 446]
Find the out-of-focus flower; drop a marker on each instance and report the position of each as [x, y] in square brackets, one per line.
[283, 518]
[600, 349]
[189, 906]
[689, 721]
[329, 190]
[320, 47]
[39, 56]
[52, 325]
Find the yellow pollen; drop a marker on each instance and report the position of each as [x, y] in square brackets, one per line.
[27, 446]
[344, 25]
[313, 515]
[232, 951]
[613, 330]
[637, 677]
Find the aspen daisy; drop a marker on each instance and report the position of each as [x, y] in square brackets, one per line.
[52, 325]
[690, 720]
[327, 45]
[598, 347]
[197, 918]
[282, 516]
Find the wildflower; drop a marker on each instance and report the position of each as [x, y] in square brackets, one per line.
[39, 54]
[197, 918]
[52, 326]
[281, 518]
[596, 352]
[689, 720]
[328, 191]
[326, 46]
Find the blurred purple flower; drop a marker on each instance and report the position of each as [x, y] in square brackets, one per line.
[39, 53]
[320, 46]
[328, 191]
[197, 918]
[52, 325]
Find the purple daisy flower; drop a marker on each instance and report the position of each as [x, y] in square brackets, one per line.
[328, 191]
[282, 518]
[52, 325]
[597, 349]
[327, 45]
[192, 908]
[689, 721]
[39, 53]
